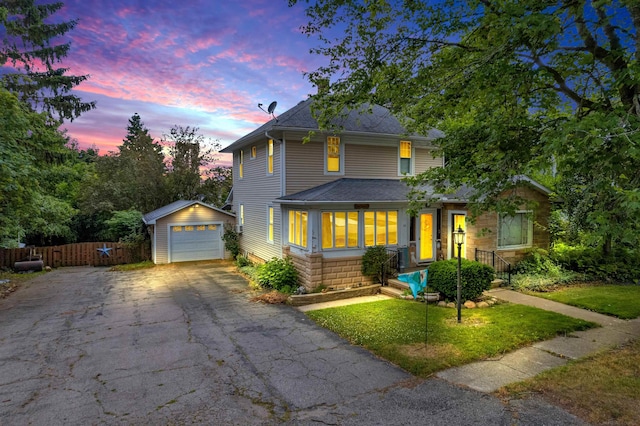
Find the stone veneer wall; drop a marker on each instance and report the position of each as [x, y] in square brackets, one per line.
[314, 270]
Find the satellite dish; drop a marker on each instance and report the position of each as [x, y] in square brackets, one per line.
[270, 109]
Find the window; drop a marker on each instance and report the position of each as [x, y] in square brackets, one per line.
[241, 214]
[380, 228]
[333, 159]
[188, 228]
[254, 151]
[270, 157]
[270, 225]
[298, 227]
[201, 227]
[241, 164]
[176, 228]
[405, 158]
[339, 230]
[515, 231]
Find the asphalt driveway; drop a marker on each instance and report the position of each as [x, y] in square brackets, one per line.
[183, 344]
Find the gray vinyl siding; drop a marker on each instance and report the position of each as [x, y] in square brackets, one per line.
[256, 190]
[185, 216]
[425, 160]
[305, 162]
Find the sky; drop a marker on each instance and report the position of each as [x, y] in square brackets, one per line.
[198, 63]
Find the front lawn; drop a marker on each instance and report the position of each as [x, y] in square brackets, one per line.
[600, 389]
[395, 330]
[622, 301]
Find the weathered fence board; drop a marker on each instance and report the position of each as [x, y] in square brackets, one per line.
[79, 254]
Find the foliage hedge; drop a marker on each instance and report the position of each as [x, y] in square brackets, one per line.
[622, 265]
[278, 274]
[537, 261]
[475, 277]
[373, 262]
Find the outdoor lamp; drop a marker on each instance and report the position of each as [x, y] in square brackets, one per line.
[458, 238]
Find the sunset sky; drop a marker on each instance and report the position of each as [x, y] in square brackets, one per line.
[192, 62]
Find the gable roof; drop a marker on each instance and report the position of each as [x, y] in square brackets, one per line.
[151, 217]
[377, 120]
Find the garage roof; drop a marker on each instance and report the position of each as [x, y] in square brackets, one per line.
[152, 217]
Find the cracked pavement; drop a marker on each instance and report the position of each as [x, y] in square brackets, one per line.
[183, 344]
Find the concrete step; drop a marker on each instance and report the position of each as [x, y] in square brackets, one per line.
[498, 282]
[391, 292]
[395, 283]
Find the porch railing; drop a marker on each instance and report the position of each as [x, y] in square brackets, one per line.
[391, 266]
[501, 266]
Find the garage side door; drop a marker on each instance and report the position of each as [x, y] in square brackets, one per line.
[196, 242]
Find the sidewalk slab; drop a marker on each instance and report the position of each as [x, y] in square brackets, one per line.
[583, 343]
[489, 376]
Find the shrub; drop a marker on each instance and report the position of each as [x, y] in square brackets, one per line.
[475, 277]
[278, 274]
[242, 261]
[623, 265]
[231, 240]
[373, 262]
[537, 261]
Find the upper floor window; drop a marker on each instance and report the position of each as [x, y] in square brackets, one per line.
[254, 151]
[380, 228]
[298, 227]
[515, 231]
[339, 229]
[405, 158]
[270, 157]
[333, 159]
[241, 164]
[241, 214]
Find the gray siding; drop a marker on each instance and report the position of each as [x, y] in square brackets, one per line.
[256, 190]
[187, 215]
[305, 162]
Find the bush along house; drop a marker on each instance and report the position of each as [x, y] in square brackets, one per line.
[325, 201]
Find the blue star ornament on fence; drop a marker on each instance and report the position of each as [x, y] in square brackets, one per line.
[104, 250]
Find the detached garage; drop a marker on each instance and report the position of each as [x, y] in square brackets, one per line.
[186, 231]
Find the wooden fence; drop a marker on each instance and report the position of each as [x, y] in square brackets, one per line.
[80, 254]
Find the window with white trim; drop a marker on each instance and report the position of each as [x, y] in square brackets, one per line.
[298, 227]
[254, 151]
[270, 224]
[340, 229]
[380, 228]
[241, 214]
[270, 157]
[405, 158]
[241, 164]
[333, 155]
[515, 231]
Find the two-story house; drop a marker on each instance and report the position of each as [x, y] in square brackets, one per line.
[325, 201]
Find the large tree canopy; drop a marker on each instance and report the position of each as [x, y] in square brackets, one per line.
[518, 87]
[30, 45]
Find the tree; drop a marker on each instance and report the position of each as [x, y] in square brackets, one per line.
[190, 153]
[30, 150]
[518, 87]
[216, 188]
[29, 47]
[141, 168]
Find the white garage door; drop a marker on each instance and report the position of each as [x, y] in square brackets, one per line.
[196, 242]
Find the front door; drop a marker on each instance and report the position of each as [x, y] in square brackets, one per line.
[426, 236]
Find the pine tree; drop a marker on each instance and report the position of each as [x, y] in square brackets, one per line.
[28, 46]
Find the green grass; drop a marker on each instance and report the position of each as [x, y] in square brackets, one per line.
[600, 389]
[395, 330]
[622, 301]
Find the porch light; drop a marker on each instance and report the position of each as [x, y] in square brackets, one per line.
[458, 238]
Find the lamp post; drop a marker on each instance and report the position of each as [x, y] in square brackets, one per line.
[458, 238]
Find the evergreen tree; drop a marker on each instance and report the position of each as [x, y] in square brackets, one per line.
[29, 47]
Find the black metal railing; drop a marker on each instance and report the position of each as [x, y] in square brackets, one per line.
[391, 266]
[500, 266]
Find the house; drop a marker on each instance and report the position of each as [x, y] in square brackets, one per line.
[186, 231]
[324, 201]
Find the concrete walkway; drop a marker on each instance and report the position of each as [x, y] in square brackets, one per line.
[490, 375]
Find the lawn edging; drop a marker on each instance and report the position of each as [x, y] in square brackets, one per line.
[307, 299]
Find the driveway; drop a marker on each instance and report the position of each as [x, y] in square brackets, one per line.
[183, 344]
